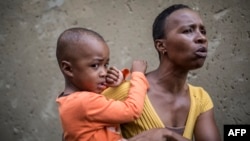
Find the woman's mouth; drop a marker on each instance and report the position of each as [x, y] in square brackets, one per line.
[201, 52]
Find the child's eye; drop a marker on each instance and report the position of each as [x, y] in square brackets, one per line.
[95, 65]
[106, 65]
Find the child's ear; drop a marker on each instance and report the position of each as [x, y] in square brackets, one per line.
[160, 46]
[66, 68]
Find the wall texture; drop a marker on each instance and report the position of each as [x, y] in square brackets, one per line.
[30, 79]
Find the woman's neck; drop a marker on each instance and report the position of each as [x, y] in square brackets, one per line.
[171, 80]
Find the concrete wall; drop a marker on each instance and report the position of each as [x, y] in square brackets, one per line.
[30, 79]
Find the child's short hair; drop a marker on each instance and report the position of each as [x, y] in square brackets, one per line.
[70, 37]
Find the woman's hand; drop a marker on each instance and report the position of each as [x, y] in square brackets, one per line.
[158, 134]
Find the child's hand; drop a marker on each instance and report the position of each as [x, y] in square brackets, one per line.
[114, 77]
[139, 66]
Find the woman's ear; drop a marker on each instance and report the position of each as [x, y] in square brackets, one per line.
[160, 46]
[66, 68]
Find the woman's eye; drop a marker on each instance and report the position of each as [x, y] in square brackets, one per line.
[204, 32]
[188, 31]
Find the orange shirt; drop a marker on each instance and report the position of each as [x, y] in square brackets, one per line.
[87, 116]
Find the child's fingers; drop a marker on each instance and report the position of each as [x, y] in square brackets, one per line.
[112, 76]
[113, 71]
[109, 80]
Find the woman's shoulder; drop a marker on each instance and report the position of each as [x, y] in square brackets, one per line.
[198, 92]
[200, 96]
[197, 89]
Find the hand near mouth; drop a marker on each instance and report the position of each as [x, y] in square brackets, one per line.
[114, 77]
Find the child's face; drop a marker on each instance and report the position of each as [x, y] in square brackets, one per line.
[90, 66]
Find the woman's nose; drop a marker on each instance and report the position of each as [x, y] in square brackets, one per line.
[200, 38]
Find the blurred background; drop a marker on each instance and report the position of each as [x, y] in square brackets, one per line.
[30, 79]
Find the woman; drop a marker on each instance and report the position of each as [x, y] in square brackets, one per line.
[176, 109]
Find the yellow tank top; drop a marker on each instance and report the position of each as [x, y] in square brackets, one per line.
[200, 102]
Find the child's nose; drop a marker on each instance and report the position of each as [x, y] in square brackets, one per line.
[103, 72]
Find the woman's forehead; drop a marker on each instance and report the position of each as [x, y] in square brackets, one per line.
[183, 16]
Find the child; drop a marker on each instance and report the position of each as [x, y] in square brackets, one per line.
[86, 115]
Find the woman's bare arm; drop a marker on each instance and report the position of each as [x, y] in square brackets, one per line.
[205, 128]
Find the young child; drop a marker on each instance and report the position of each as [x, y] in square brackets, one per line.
[86, 115]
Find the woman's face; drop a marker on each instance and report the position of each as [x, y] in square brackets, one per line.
[185, 39]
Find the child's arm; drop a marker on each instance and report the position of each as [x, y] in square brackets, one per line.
[110, 111]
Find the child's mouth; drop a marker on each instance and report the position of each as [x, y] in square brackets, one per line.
[102, 86]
